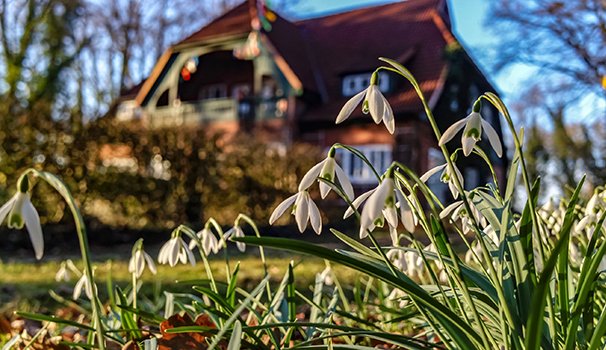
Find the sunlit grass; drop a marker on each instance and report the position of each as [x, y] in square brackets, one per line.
[27, 285]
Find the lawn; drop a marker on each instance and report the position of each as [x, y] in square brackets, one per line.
[26, 285]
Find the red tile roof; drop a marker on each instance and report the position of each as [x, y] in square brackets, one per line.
[320, 51]
[235, 21]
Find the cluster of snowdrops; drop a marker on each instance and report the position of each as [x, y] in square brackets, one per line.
[528, 279]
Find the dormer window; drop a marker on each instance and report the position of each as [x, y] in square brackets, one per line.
[354, 83]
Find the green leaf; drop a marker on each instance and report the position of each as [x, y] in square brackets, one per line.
[45, 318]
[245, 303]
[534, 326]
[460, 332]
[585, 285]
[359, 247]
[236, 337]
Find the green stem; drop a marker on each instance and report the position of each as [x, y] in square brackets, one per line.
[60, 187]
[134, 281]
[451, 168]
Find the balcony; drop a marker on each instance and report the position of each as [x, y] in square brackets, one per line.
[216, 110]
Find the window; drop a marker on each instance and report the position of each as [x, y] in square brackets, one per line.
[354, 83]
[213, 91]
[379, 155]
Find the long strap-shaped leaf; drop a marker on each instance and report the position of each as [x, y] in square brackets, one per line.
[534, 327]
[460, 332]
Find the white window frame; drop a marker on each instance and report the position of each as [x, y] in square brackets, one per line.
[358, 172]
[354, 83]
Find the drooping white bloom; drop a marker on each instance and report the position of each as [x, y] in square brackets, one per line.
[236, 232]
[304, 210]
[446, 177]
[457, 211]
[375, 103]
[174, 251]
[327, 169]
[210, 243]
[402, 207]
[472, 132]
[83, 283]
[326, 276]
[407, 261]
[139, 260]
[66, 267]
[20, 212]
[62, 274]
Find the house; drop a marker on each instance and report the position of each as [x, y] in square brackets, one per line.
[285, 81]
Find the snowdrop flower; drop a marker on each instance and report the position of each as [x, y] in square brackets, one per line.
[139, 259]
[457, 211]
[374, 102]
[20, 212]
[327, 169]
[174, 251]
[304, 210]
[390, 213]
[381, 204]
[400, 296]
[446, 177]
[83, 283]
[409, 262]
[326, 276]
[236, 232]
[473, 125]
[210, 243]
[64, 271]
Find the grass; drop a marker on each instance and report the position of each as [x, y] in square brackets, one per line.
[25, 286]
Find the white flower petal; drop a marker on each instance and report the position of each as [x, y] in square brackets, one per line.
[406, 213]
[6, 208]
[190, 255]
[215, 245]
[173, 252]
[453, 189]
[314, 217]
[493, 138]
[78, 287]
[131, 264]
[32, 222]
[452, 131]
[375, 204]
[388, 118]
[324, 189]
[240, 245]
[302, 211]
[459, 176]
[310, 177]
[349, 106]
[356, 203]
[366, 224]
[281, 208]
[431, 172]
[139, 263]
[345, 183]
[467, 143]
[391, 215]
[150, 263]
[376, 103]
[446, 211]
